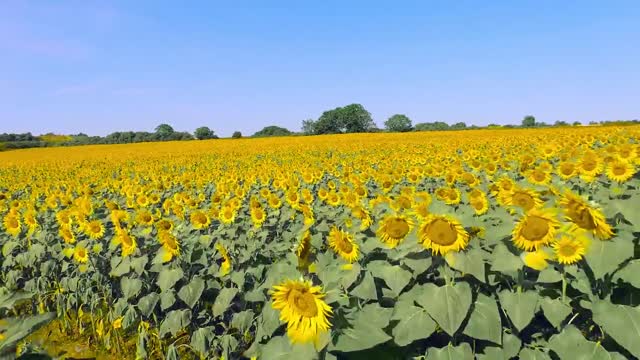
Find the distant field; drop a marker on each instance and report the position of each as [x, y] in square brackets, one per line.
[494, 243]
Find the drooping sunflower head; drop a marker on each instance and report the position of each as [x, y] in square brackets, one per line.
[67, 234]
[393, 229]
[442, 234]
[127, 242]
[144, 218]
[569, 250]
[343, 244]
[535, 229]
[302, 308]
[303, 250]
[524, 198]
[586, 216]
[164, 225]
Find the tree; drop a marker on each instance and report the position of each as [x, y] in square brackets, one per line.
[308, 127]
[236, 135]
[203, 133]
[353, 118]
[459, 126]
[164, 131]
[398, 123]
[272, 131]
[560, 123]
[529, 121]
[577, 123]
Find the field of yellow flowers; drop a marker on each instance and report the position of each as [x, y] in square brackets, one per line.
[489, 243]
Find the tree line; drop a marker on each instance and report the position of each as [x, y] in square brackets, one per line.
[352, 118]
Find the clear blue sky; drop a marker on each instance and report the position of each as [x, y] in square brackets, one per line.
[103, 66]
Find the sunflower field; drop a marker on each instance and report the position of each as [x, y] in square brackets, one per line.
[488, 244]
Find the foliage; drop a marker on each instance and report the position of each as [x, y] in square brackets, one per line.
[272, 131]
[203, 133]
[398, 123]
[435, 126]
[353, 118]
[529, 121]
[236, 135]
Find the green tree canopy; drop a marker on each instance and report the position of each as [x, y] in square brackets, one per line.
[438, 125]
[398, 123]
[272, 131]
[164, 131]
[203, 133]
[236, 135]
[353, 118]
[529, 121]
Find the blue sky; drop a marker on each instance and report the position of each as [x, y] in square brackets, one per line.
[103, 66]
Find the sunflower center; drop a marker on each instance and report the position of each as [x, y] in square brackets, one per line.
[126, 240]
[535, 228]
[259, 215]
[478, 205]
[95, 228]
[200, 219]
[589, 165]
[539, 175]
[568, 249]
[442, 232]
[566, 169]
[397, 228]
[523, 200]
[304, 303]
[619, 169]
[82, 253]
[13, 223]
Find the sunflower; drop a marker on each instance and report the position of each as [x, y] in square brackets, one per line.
[363, 215]
[342, 243]
[302, 308]
[333, 198]
[322, 194]
[585, 216]
[538, 176]
[569, 250]
[64, 217]
[620, 170]
[170, 246]
[274, 201]
[142, 200]
[566, 170]
[225, 267]
[199, 219]
[30, 220]
[164, 225]
[127, 242]
[393, 229]
[227, 215]
[442, 234]
[480, 205]
[307, 213]
[258, 216]
[12, 225]
[144, 217]
[80, 254]
[526, 199]
[67, 235]
[536, 260]
[94, 229]
[535, 229]
[303, 250]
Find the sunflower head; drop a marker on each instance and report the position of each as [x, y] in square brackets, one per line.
[393, 229]
[80, 254]
[94, 229]
[343, 244]
[536, 260]
[585, 216]
[442, 234]
[199, 219]
[569, 250]
[302, 308]
[535, 229]
[620, 170]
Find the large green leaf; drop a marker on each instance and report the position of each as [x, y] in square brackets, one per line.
[468, 262]
[242, 320]
[549, 275]
[533, 354]
[414, 324]
[520, 306]
[630, 273]
[168, 278]
[570, 344]
[504, 261]
[484, 322]
[366, 329]
[510, 347]
[555, 310]
[366, 290]
[16, 329]
[620, 322]
[395, 277]
[167, 299]
[450, 352]
[269, 321]
[280, 348]
[448, 304]
[147, 303]
[200, 340]
[223, 301]
[604, 257]
[175, 321]
[191, 292]
[130, 287]
[418, 266]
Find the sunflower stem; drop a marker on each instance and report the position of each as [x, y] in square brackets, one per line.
[564, 286]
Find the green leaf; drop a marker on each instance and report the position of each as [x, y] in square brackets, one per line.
[269, 321]
[223, 301]
[191, 292]
[414, 324]
[138, 264]
[504, 261]
[448, 304]
[531, 354]
[200, 340]
[468, 262]
[280, 348]
[8, 247]
[168, 278]
[147, 303]
[555, 310]
[620, 322]
[130, 287]
[363, 335]
[395, 277]
[167, 299]
[418, 266]
[510, 348]
[549, 275]
[175, 321]
[520, 306]
[123, 267]
[484, 322]
[450, 352]
[366, 290]
[629, 273]
[570, 344]
[604, 257]
[16, 329]
[242, 320]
